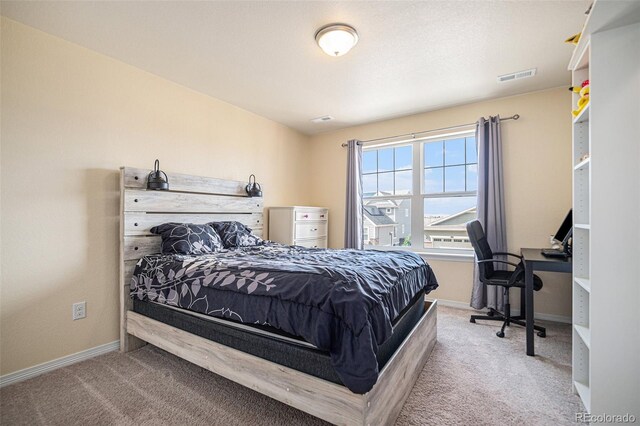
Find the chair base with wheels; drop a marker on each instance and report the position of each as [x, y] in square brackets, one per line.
[506, 318]
[490, 276]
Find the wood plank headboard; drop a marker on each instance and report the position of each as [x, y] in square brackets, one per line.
[190, 199]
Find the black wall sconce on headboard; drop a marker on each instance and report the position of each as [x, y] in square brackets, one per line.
[155, 180]
[253, 189]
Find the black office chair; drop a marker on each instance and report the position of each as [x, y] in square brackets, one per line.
[506, 279]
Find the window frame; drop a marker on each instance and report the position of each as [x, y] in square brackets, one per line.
[418, 197]
[392, 171]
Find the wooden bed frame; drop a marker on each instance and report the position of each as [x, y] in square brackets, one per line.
[196, 199]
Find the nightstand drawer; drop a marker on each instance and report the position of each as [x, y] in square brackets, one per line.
[314, 243]
[304, 225]
[311, 230]
[310, 216]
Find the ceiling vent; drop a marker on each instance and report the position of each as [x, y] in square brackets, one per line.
[517, 75]
[322, 119]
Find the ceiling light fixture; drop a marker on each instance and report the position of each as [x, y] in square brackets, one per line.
[336, 39]
[322, 119]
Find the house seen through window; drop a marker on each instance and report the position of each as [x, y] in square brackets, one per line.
[420, 194]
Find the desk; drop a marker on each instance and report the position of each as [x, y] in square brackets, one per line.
[535, 261]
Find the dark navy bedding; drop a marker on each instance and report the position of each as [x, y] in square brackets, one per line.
[342, 301]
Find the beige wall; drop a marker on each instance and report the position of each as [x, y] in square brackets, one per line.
[70, 119]
[537, 168]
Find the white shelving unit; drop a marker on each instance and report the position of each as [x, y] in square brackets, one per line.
[583, 164]
[584, 114]
[606, 202]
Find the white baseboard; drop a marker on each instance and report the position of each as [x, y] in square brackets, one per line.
[48, 366]
[45, 367]
[548, 317]
[537, 315]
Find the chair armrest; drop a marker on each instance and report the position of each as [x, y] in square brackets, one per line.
[514, 274]
[507, 254]
[498, 261]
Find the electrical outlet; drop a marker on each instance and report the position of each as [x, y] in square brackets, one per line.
[79, 310]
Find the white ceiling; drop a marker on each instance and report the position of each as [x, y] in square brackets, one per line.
[261, 55]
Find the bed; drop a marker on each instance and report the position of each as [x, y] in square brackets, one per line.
[239, 324]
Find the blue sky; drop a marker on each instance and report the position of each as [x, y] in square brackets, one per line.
[447, 205]
[445, 170]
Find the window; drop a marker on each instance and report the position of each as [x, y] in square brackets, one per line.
[450, 166]
[387, 180]
[426, 188]
[387, 171]
[450, 184]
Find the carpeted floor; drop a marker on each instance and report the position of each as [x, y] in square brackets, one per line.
[472, 377]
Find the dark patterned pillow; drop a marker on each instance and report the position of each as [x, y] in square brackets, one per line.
[236, 234]
[187, 238]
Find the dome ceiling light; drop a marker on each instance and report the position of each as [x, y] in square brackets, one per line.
[336, 39]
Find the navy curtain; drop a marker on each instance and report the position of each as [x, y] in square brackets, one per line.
[490, 206]
[353, 208]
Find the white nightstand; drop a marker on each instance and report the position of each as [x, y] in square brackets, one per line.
[299, 225]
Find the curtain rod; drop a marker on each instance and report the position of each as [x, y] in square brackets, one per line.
[413, 135]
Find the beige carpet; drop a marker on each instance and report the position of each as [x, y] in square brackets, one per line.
[472, 378]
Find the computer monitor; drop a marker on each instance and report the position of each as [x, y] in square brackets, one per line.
[566, 230]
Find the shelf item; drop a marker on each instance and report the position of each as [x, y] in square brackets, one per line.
[584, 333]
[580, 58]
[585, 283]
[583, 164]
[584, 391]
[583, 117]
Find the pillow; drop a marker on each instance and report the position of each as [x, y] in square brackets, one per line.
[187, 238]
[235, 234]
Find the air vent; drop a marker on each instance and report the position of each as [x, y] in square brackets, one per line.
[517, 75]
[322, 119]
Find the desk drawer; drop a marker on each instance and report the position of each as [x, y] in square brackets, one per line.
[311, 215]
[311, 230]
[314, 243]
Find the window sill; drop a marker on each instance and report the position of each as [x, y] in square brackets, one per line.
[466, 256]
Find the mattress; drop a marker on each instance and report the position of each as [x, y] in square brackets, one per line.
[273, 344]
[343, 302]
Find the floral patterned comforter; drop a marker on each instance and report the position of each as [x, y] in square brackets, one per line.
[342, 301]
